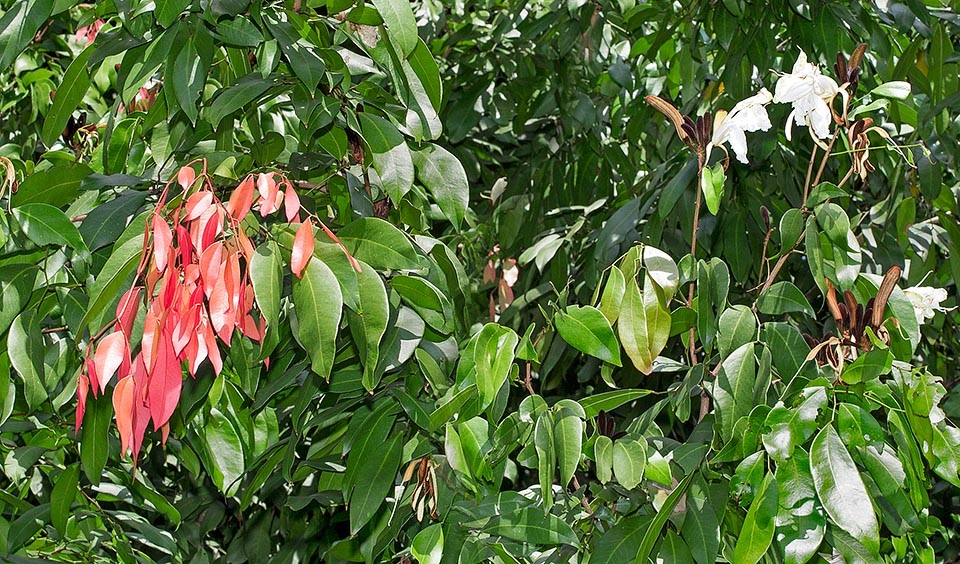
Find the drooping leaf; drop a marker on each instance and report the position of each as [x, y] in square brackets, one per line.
[375, 476]
[379, 244]
[629, 461]
[46, 225]
[784, 297]
[318, 304]
[759, 524]
[531, 525]
[445, 178]
[25, 347]
[225, 451]
[568, 436]
[62, 496]
[589, 332]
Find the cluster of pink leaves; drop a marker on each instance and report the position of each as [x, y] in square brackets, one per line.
[194, 284]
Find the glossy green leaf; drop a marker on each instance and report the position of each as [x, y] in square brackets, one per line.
[801, 521]
[379, 244]
[188, 74]
[266, 275]
[18, 26]
[46, 225]
[390, 155]
[106, 288]
[733, 390]
[588, 331]
[759, 524]
[568, 436]
[73, 87]
[62, 496]
[644, 325]
[868, 366]
[608, 401]
[737, 326]
[401, 24]
[841, 490]
[104, 224]
[318, 304]
[94, 437]
[673, 550]
[427, 546]
[373, 312]
[375, 477]
[57, 186]
[493, 356]
[544, 445]
[790, 427]
[612, 297]
[603, 458]
[711, 183]
[25, 347]
[531, 525]
[16, 286]
[784, 297]
[621, 542]
[242, 92]
[225, 451]
[445, 178]
[791, 227]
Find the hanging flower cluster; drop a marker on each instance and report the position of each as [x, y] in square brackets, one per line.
[194, 285]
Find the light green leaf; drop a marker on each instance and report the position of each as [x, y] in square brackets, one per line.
[493, 356]
[588, 331]
[896, 89]
[427, 546]
[733, 389]
[711, 183]
[629, 461]
[374, 315]
[546, 456]
[16, 286]
[401, 24]
[225, 451]
[801, 521]
[57, 186]
[737, 326]
[603, 457]
[608, 401]
[266, 274]
[612, 296]
[242, 92]
[73, 87]
[390, 155]
[644, 325]
[318, 303]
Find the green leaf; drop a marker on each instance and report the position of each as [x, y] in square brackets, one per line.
[73, 87]
[106, 287]
[266, 274]
[608, 401]
[25, 346]
[711, 183]
[375, 477]
[168, 11]
[106, 222]
[588, 331]
[737, 326]
[531, 525]
[95, 437]
[427, 546]
[243, 91]
[225, 450]
[16, 286]
[62, 496]
[896, 89]
[187, 75]
[841, 490]
[424, 65]
[445, 178]
[493, 357]
[379, 244]
[857, 427]
[603, 456]
[759, 525]
[700, 528]
[791, 226]
[792, 427]
[801, 521]
[629, 461]
[612, 296]
[18, 27]
[674, 551]
[306, 64]
[644, 325]
[239, 32]
[426, 299]
[868, 366]
[57, 186]
[784, 297]
[652, 532]
[390, 155]
[733, 389]
[46, 225]
[318, 303]
[568, 436]
[544, 445]
[621, 542]
[401, 24]
[662, 269]
[26, 526]
[374, 314]
[446, 411]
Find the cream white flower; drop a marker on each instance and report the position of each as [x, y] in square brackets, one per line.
[926, 301]
[809, 92]
[746, 115]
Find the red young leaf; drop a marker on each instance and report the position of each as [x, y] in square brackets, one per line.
[302, 251]
[83, 386]
[127, 309]
[92, 374]
[213, 352]
[185, 245]
[162, 242]
[219, 306]
[123, 412]
[210, 263]
[111, 354]
[185, 177]
[211, 228]
[141, 411]
[164, 383]
[291, 204]
[241, 199]
[353, 261]
[197, 205]
[270, 195]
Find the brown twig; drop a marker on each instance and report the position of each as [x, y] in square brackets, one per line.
[528, 382]
[583, 500]
[49, 330]
[806, 183]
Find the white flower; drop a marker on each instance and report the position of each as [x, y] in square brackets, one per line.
[747, 115]
[926, 301]
[808, 91]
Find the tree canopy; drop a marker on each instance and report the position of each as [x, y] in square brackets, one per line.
[452, 282]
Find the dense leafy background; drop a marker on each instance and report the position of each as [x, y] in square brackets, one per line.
[495, 166]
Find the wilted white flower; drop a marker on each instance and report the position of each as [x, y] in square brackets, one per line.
[926, 301]
[809, 92]
[747, 115]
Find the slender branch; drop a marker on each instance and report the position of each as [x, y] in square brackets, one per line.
[806, 183]
[583, 499]
[527, 381]
[823, 162]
